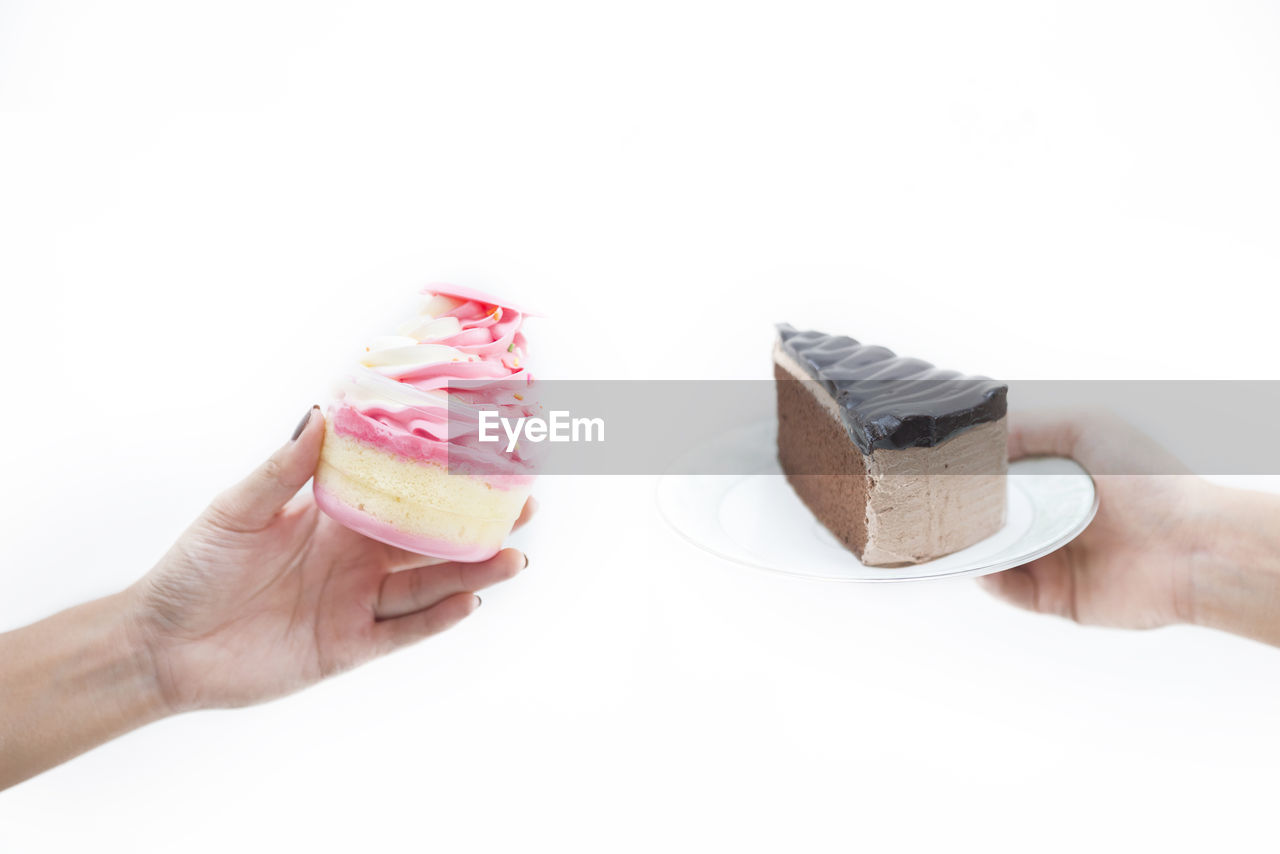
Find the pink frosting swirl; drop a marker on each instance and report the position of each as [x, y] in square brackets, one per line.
[418, 394]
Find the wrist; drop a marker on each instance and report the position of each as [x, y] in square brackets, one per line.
[147, 651]
[1234, 575]
[126, 666]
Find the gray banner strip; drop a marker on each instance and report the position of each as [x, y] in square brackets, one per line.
[653, 426]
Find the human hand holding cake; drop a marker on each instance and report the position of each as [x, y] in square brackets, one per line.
[261, 596]
[401, 462]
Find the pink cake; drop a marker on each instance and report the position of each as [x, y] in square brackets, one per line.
[401, 460]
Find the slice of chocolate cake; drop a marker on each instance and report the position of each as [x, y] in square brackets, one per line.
[903, 462]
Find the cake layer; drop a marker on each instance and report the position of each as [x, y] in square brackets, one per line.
[482, 542]
[927, 502]
[889, 506]
[886, 400]
[811, 441]
[460, 456]
[415, 505]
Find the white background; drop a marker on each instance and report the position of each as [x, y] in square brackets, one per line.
[205, 208]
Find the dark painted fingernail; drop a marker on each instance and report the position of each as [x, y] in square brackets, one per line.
[302, 425]
[526, 560]
[479, 601]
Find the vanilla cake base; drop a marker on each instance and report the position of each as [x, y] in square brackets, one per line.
[415, 505]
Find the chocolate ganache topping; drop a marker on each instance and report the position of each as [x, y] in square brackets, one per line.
[888, 401]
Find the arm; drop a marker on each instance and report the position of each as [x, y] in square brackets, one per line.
[70, 683]
[261, 596]
[1166, 546]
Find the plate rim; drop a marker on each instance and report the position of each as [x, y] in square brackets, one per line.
[999, 566]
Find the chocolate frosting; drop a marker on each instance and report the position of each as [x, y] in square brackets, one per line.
[888, 401]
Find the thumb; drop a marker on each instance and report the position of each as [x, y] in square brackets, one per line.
[1099, 440]
[1045, 433]
[252, 503]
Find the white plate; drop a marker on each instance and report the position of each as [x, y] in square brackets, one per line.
[755, 518]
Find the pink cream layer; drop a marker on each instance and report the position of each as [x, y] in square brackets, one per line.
[425, 428]
[454, 457]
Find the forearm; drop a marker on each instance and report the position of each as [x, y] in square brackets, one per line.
[1235, 575]
[70, 683]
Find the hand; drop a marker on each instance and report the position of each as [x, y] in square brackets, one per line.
[1136, 564]
[264, 594]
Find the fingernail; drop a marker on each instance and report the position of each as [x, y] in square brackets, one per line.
[526, 560]
[302, 425]
[479, 601]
